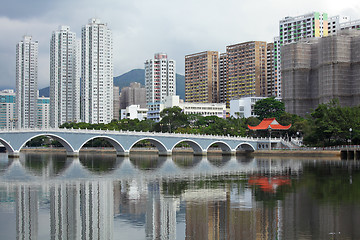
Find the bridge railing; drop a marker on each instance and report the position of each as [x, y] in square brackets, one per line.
[107, 131]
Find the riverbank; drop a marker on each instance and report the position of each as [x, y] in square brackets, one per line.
[299, 153]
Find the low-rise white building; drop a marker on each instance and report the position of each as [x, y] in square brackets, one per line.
[203, 109]
[133, 112]
[244, 107]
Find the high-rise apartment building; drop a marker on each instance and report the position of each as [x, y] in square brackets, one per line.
[64, 77]
[160, 81]
[222, 77]
[8, 119]
[246, 70]
[271, 89]
[96, 73]
[319, 70]
[135, 94]
[292, 29]
[202, 77]
[26, 82]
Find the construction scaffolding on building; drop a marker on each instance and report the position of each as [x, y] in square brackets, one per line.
[315, 71]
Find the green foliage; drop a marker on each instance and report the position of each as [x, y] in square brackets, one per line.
[269, 108]
[330, 125]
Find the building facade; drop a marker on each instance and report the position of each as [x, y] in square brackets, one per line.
[293, 29]
[8, 118]
[160, 81]
[64, 77]
[116, 107]
[96, 73]
[319, 70]
[246, 70]
[135, 94]
[134, 112]
[43, 114]
[26, 82]
[222, 77]
[244, 107]
[203, 109]
[202, 77]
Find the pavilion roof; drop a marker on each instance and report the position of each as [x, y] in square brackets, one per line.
[269, 123]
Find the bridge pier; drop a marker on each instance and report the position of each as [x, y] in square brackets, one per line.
[15, 154]
[200, 153]
[165, 153]
[72, 154]
[123, 154]
[231, 153]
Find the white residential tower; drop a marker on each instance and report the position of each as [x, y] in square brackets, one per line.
[26, 82]
[160, 81]
[96, 73]
[64, 77]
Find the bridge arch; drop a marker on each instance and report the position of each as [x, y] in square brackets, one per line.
[63, 141]
[158, 144]
[118, 147]
[193, 144]
[224, 146]
[7, 146]
[245, 146]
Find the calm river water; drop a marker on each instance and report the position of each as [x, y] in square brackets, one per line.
[101, 196]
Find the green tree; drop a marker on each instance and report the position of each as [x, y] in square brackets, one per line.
[330, 124]
[172, 119]
[269, 108]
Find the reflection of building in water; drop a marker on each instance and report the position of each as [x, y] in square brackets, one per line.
[160, 214]
[228, 213]
[65, 211]
[304, 215]
[27, 211]
[142, 202]
[82, 210]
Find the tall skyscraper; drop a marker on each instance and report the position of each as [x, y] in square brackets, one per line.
[202, 77]
[160, 81]
[96, 73]
[26, 82]
[64, 77]
[246, 70]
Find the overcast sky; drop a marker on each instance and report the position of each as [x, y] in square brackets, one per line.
[144, 27]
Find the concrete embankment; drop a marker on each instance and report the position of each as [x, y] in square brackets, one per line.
[299, 153]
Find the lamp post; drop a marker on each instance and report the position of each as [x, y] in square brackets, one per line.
[350, 130]
[269, 138]
[169, 125]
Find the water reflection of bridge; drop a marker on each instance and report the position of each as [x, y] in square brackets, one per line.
[148, 167]
[84, 200]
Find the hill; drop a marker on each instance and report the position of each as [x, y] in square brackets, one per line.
[135, 75]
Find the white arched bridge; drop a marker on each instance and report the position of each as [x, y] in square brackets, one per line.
[123, 141]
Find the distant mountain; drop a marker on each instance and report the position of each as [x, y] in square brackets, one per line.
[44, 92]
[135, 75]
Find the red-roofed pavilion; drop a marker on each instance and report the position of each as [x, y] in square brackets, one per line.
[269, 124]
